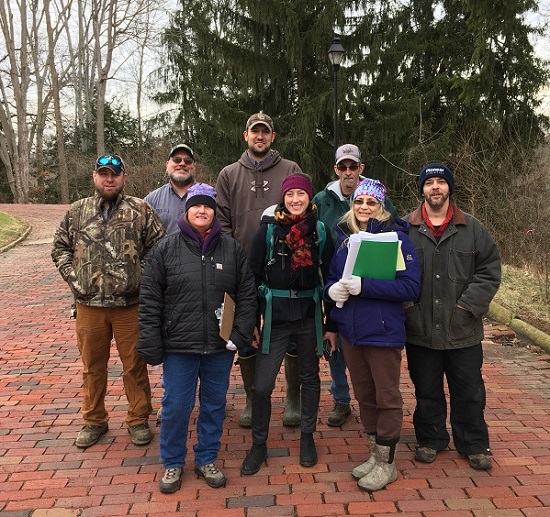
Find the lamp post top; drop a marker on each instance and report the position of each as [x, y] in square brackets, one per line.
[336, 52]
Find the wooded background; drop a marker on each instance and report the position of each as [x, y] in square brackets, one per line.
[422, 80]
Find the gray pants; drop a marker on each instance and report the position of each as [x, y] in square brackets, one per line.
[301, 332]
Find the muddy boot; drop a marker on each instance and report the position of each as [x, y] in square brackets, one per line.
[384, 471]
[248, 370]
[363, 469]
[292, 414]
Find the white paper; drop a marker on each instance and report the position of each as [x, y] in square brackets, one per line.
[354, 243]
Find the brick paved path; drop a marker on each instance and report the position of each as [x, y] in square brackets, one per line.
[43, 474]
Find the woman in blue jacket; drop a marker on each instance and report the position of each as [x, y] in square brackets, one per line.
[372, 325]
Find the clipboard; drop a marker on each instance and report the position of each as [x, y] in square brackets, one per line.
[228, 316]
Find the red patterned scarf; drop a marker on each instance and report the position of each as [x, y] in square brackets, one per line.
[299, 238]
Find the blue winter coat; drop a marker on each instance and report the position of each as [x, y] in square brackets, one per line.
[376, 317]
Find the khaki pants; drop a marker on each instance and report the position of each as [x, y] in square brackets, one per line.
[95, 328]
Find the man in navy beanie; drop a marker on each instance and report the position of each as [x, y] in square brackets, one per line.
[461, 270]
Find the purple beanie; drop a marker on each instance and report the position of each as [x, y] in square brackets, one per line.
[201, 194]
[300, 181]
[373, 188]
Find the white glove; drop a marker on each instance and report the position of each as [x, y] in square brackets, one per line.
[353, 285]
[231, 346]
[338, 292]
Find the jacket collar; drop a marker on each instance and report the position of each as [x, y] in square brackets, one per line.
[415, 218]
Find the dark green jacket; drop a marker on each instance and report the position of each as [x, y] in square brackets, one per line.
[332, 204]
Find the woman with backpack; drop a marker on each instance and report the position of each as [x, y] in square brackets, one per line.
[290, 256]
[371, 322]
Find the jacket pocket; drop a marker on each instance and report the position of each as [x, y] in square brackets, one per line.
[414, 320]
[463, 325]
[461, 266]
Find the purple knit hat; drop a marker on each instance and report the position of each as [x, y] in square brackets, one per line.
[201, 194]
[372, 188]
[300, 181]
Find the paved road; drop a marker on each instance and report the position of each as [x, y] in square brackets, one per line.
[43, 474]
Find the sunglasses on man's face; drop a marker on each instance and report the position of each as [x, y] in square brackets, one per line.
[353, 167]
[186, 160]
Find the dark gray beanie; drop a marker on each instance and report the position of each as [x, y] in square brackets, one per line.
[439, 170]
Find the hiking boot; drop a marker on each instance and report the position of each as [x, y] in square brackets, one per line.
[89, 435]
[384, 471]
[140, 434]
[480, 461]
[425, 454]
[254, 459]
[171, 481]
[338, 414]
[308, 452]
[362, 470]
[159, 415]
[213, 477]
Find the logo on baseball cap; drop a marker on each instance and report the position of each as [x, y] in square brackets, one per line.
[348, 152]
[259, 118]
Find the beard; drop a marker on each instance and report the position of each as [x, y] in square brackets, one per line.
[109, 195]
[436, 204]
[182, 179]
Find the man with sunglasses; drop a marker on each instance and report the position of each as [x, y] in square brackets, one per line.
[332, 203]
[245, 189]
[99, 249]
[169, 200]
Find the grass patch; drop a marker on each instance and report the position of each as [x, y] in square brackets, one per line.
[11, 228]
[522, 293]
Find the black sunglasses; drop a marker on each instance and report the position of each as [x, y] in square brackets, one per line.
[353, 167]
[186, 160]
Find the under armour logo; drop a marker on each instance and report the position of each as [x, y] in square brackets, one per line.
[261, 186]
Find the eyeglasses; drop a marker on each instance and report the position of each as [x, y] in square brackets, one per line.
[186, 160]
[368, 202]
[109, 159]
[353, 167]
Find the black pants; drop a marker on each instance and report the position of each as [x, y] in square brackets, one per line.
[301, 332]
[462, 368]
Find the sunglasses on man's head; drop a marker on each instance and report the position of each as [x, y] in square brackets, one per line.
[186, 160]
[353, 167]
[109, 159]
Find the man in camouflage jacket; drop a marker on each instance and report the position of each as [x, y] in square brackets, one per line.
[99, 248]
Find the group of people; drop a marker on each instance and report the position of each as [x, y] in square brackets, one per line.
[157, 274]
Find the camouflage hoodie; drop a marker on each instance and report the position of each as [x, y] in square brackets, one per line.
[101, 259]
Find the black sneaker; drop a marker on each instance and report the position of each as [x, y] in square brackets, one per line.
[480, 461]
[212, 475]
[171, 481]
[254, 459]
[338, 414]
[140, 434]
[89, 435]
[425, 454]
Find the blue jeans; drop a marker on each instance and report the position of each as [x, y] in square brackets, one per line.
[339, 386]
[181, 375]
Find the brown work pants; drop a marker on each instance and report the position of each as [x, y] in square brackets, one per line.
[95, 329]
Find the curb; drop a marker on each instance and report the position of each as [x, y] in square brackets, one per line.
[507, 317]
[19, 239]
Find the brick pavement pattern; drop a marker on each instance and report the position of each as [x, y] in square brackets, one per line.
[43, 474]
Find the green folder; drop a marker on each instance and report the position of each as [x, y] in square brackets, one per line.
[377, 259]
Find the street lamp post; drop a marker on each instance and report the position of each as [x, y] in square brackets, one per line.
[335, 55]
